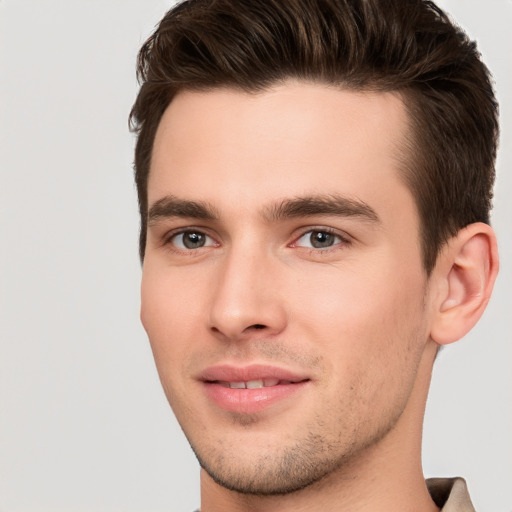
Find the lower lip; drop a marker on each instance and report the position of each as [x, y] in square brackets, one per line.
[249, 401]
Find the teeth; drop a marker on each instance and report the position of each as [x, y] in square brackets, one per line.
[254, 384]
[251, 384]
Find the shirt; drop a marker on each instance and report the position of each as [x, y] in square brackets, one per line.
[450, 494]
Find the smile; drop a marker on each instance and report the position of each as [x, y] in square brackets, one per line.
[250, 389]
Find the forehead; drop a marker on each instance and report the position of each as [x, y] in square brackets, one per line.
[246, 149]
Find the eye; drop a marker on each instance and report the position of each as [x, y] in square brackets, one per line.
[319, 239]
[191, 240]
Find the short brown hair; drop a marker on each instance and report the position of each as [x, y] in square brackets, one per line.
[408, 46]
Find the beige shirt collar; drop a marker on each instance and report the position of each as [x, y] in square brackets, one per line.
[450, 494]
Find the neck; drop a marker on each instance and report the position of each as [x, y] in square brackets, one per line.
[387, 476]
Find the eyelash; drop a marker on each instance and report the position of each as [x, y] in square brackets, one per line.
[342, 243]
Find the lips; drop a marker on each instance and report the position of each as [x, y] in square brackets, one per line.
[250, 389]
[254, 372]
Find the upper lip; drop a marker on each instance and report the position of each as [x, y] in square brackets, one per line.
[232, 373]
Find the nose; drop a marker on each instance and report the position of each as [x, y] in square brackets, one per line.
[245, 301]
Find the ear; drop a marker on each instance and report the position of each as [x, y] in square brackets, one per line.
[464, 277]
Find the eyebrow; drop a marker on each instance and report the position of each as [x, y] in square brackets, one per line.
[171, 206]
[321, 205]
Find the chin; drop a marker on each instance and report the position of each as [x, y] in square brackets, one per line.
[273, 472]
[281, 479]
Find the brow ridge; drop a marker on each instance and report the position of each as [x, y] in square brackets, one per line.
[172, 206]
[332, 204]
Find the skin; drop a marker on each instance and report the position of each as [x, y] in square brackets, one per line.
[356, 316]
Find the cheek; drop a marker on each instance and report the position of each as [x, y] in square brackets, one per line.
[362, 316]
[371, 330]
[169, 309]
[169, 312]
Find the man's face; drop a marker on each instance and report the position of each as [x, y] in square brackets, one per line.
[283, 291]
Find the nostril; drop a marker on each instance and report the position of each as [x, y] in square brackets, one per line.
[258, 326]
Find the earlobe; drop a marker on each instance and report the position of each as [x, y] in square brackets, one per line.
[465, 273]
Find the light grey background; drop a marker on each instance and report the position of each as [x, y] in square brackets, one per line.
[84, 425]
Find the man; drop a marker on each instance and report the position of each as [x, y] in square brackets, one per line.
[315, 180]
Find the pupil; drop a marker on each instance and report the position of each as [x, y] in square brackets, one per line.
[193, 240]
[321, 239]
